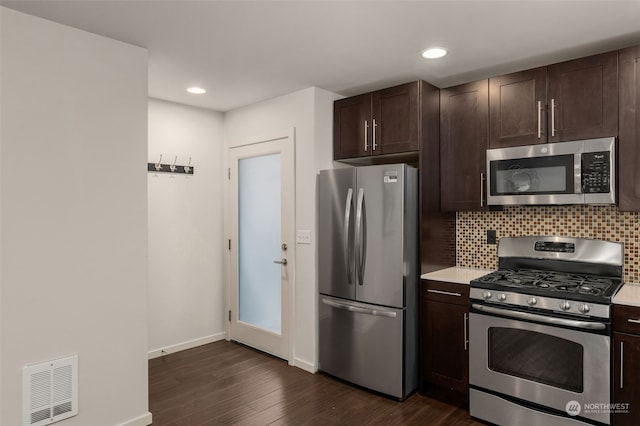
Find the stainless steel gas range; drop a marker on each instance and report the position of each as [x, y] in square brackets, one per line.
[540, 332]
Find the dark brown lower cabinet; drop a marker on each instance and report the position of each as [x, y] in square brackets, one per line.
[626, 365]
[626, 374]
[445, 339]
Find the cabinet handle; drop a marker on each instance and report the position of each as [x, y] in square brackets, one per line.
[366, 130]
[374, 134]
[553, 117]
[539, 119]
[481, 189]
[635, 321]
[466, 336]
[621, 365]
[448, 293]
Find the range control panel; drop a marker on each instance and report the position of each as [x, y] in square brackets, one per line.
[555, 247]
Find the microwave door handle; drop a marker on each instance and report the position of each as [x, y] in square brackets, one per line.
[577, 172]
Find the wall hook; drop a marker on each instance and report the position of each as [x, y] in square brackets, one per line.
[171, 168]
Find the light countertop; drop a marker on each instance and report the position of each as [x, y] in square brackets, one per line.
[456, 275]
[629, 294]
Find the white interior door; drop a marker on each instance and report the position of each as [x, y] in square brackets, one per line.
[262, 254]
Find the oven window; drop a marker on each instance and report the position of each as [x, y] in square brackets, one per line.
[538, 175]
[536, 356]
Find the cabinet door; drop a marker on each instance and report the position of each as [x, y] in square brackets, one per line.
[517, 105]
[446, 359]
[464, 115]
[396, 119]
[629, 141]
[626, 370]
[583, 98]
[352, 127]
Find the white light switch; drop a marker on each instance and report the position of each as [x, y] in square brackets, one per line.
[303, 236]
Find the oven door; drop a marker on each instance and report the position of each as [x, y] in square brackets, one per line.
[546, 365]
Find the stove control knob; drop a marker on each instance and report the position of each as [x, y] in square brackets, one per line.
[584, 308]
[487, 295]
[532, 301]
[565, 306]
[502, 297]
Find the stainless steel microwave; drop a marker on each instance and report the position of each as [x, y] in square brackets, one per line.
[578, 172]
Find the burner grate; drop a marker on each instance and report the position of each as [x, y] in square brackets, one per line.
[550, 281]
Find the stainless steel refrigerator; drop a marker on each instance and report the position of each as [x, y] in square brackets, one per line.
[368, 274]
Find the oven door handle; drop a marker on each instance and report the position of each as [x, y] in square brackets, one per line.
[540, 318]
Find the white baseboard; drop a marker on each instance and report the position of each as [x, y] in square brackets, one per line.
[305, 365]
[143, 420]
[155, 353]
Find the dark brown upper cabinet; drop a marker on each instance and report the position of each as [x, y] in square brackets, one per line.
[383, 122]
[464, 117]
[351, 123]
[568, 101]
[517, 108]
[629, 135]
[583, 98]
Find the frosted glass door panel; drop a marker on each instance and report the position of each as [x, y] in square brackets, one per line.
[259, 227]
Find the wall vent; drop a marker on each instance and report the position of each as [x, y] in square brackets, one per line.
[50, 391]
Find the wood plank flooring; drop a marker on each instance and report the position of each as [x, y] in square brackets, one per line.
[227, 383]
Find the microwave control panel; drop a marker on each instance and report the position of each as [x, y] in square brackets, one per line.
[596, 172]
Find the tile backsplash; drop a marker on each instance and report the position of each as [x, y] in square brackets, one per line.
[597, 222]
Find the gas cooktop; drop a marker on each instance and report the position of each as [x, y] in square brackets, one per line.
[564, 285]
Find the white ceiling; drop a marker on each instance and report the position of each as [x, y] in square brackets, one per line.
[246, 51]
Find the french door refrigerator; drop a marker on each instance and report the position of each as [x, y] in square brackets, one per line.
[368, 276]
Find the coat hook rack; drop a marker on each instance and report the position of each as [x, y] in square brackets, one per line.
[171, 168]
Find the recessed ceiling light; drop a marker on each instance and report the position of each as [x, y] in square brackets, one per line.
[196, 90]
[434, 53]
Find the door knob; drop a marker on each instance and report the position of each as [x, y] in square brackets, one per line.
[282, 262]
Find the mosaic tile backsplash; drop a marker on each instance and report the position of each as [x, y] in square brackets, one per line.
[597, 222]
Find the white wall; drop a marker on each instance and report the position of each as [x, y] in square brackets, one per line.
[73, 261]
[310, 112]
[186, 281]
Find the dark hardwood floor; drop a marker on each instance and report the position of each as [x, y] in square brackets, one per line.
[227, 383]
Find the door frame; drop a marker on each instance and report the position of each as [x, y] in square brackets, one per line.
[289, 229]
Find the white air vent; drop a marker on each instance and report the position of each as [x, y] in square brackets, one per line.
[50, 391]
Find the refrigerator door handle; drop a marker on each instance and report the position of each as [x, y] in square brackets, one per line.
[358, 238]
[358, 309]
[345, 237]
